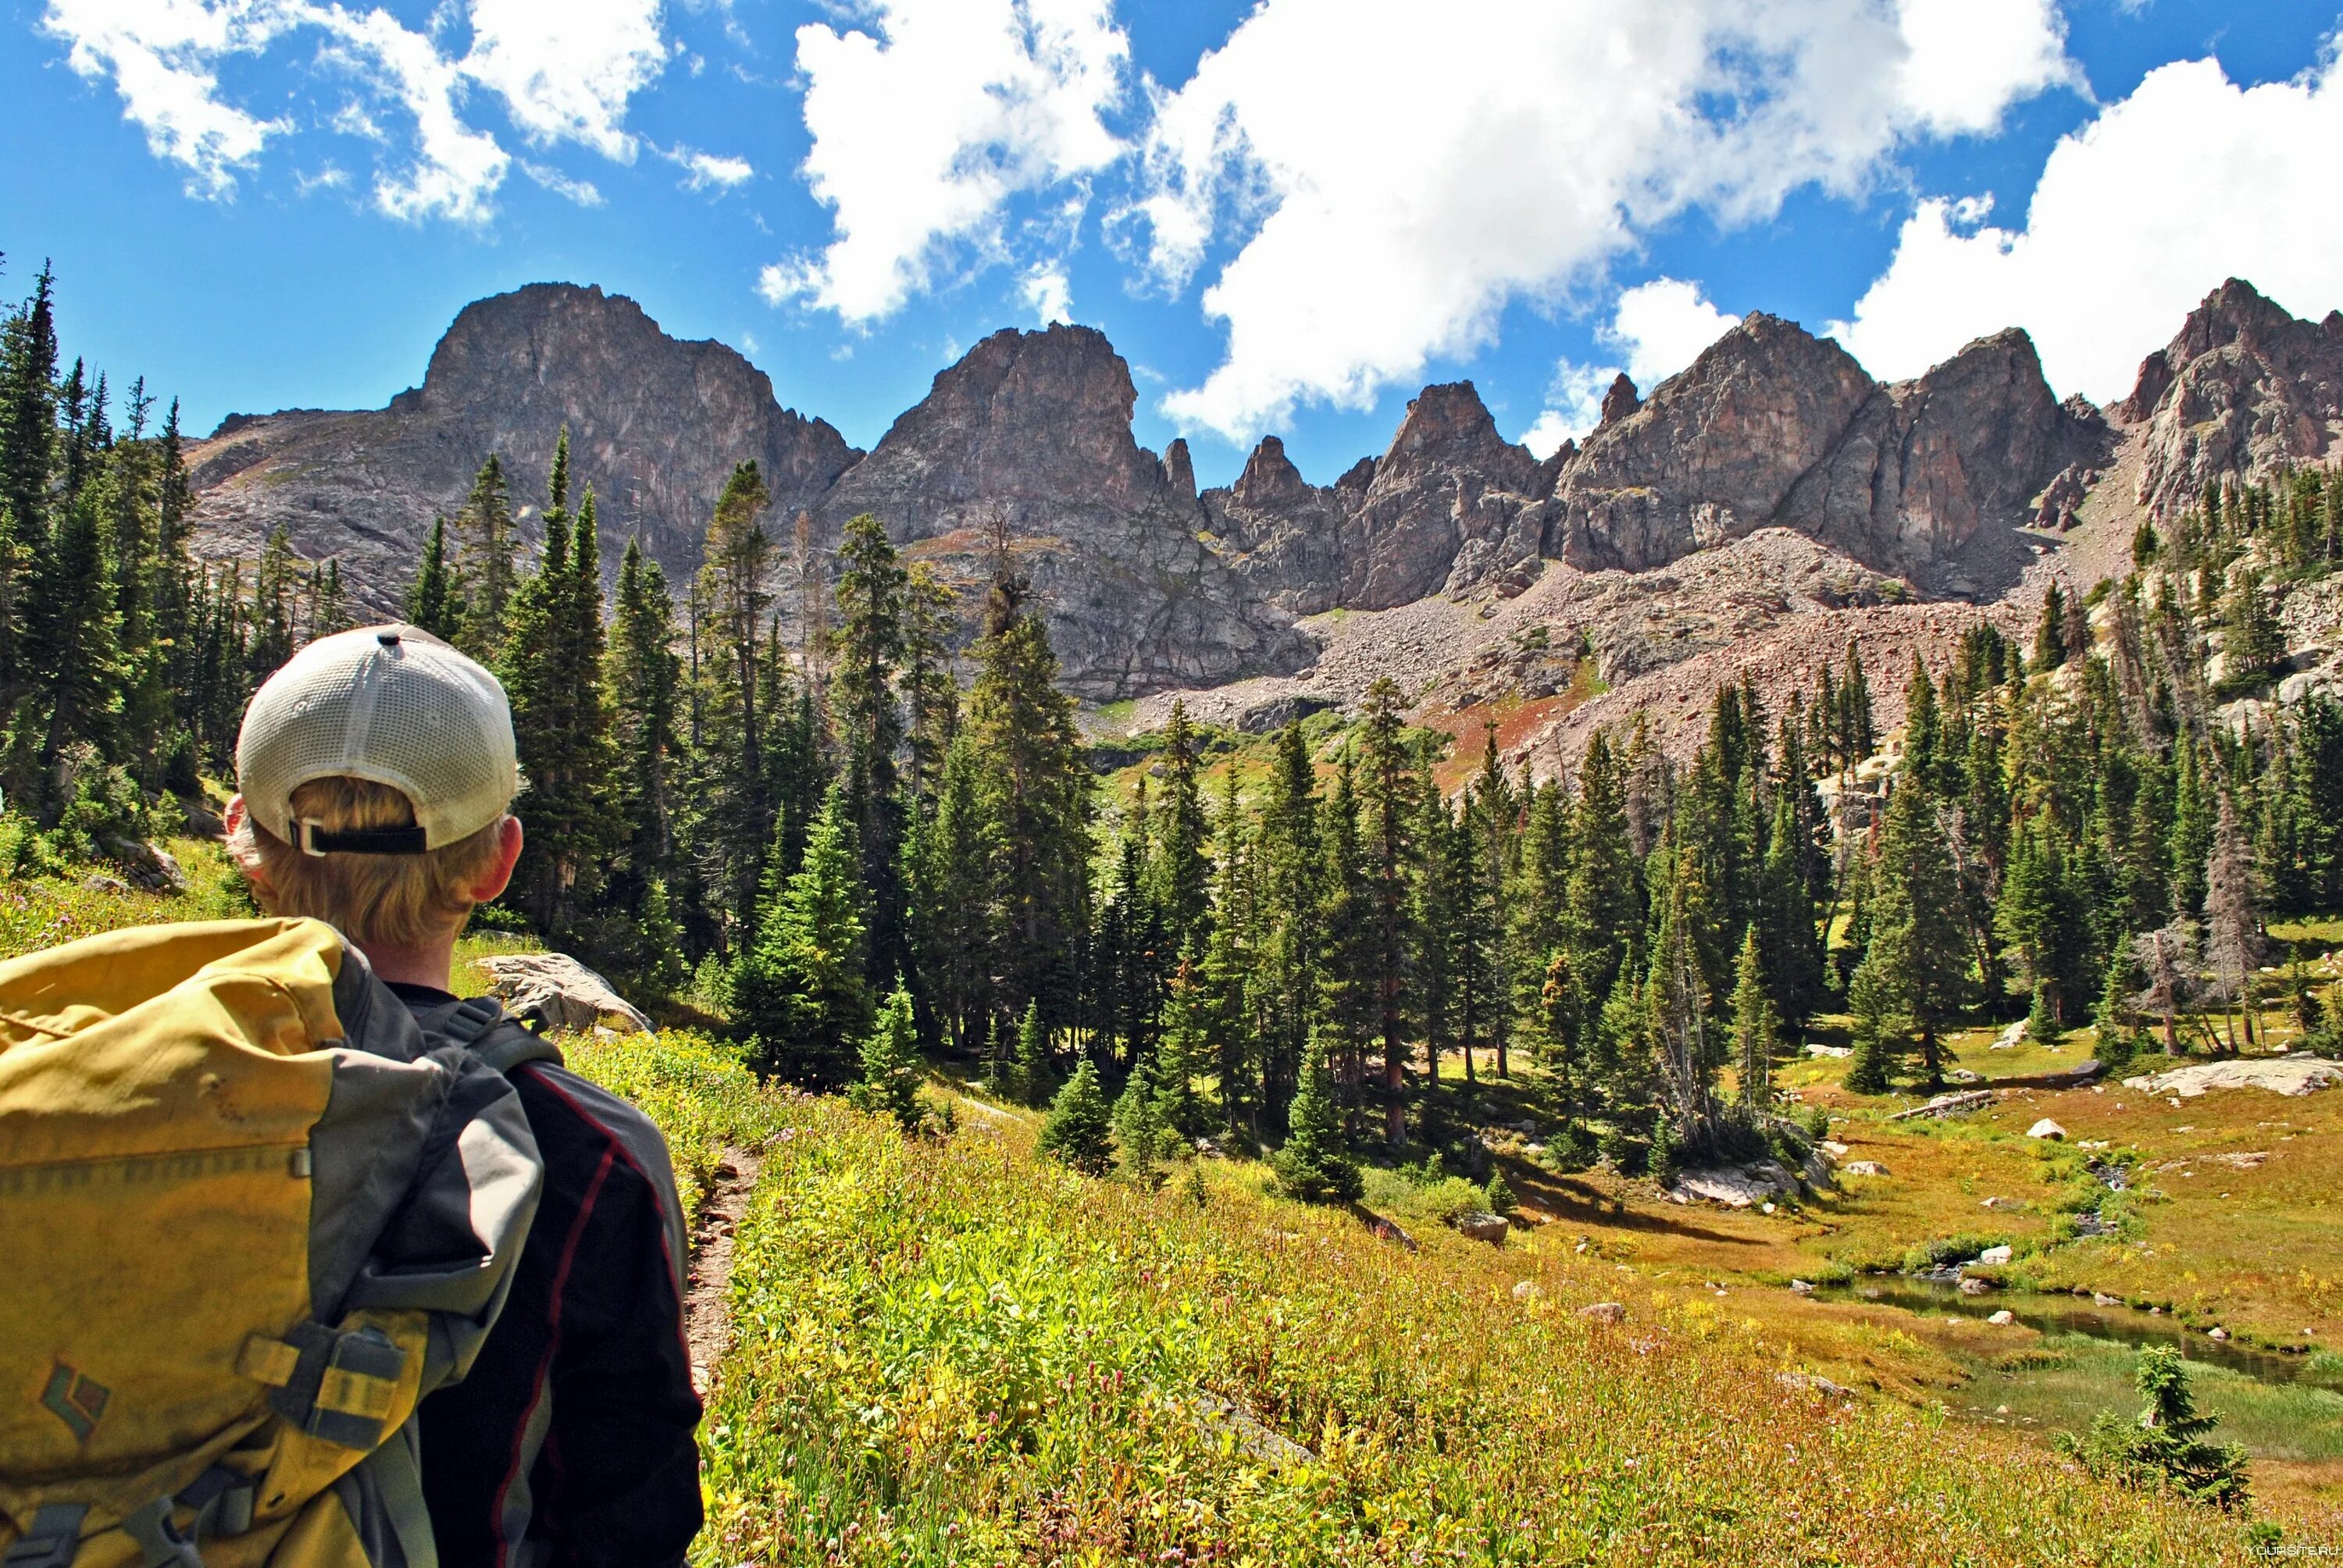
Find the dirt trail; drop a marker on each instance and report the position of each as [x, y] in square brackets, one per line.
[707, 1312]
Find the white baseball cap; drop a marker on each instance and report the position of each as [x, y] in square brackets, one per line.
[392, 704]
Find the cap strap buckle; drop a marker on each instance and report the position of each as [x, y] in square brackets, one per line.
[318, 840]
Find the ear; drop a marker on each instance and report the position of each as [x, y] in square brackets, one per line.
[233, 820]
[497, 875]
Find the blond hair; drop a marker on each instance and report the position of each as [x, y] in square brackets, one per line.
[390, 900]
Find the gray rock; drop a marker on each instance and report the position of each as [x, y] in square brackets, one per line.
[1489, 1228]
[1603, 1312]
[655, 426]
[2244, 389]
[1863, 1168]
[559, 989]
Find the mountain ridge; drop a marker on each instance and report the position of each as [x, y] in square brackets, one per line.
[1957, 483]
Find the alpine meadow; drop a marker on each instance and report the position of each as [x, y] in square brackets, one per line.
[1753, 974]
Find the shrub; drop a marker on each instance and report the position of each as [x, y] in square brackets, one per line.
[1498, 1194]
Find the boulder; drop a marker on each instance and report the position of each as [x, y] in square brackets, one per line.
[2003, 1319]
[2008, 1039]
[1387, 1231]
[1603, 1312]
[1802, 1287]
[1973, 1286]
[2046, 1128]
[1489, 1227]
[559, 989]
[2292, 1075]
[1944, 1105]
[1527, 1289]
[1863, 1168]
[1993, 1255]
[1734, 1186]
[1814, 1382]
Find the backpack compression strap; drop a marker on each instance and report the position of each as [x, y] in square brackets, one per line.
[481, 1026]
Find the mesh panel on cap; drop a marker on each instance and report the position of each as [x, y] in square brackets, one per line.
[412, 713]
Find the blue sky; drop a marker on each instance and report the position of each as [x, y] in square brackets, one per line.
[1288, 215]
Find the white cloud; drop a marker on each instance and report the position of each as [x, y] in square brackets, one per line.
[1574, 407]
[585, 193]
[1970, 59]
[710, 171]
[1661, 326]
[2138, 215]
[455, 170]
[1047, 294]
[1511, 149]
[926, 118]
[567, 68]
[161, 55]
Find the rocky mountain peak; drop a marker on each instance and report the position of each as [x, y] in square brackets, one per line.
[1270, 479]
[655, 424]
[1620, 400]
[2243, 388]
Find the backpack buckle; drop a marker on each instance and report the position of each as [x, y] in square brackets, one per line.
[52, 1542]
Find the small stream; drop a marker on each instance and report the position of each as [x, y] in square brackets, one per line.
[2061, 1314]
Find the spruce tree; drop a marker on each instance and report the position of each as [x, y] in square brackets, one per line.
[1755, 1028]
[956, 896]
[1022, 731]
[1181, 871]
[889, 1083]
[1387, 804]
[800, 992]
[1316, 1163]
[865, 658]
[1078, 1128]
[434, 600]
[733, 822]
[2166, 1447]
[1036, 1063]
[486, 558]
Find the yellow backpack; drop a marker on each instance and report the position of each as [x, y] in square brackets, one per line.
[249, 1215]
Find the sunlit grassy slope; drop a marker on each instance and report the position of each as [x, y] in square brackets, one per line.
[948, 1352]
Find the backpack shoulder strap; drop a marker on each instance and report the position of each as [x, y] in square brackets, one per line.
[481, 1026]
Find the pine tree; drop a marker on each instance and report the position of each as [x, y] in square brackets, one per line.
[2050, 630]
[1315, 1164]
[1387, 790]
[1037, 1065]
[800, 993]
[956, 896]
[1020, 729]
[2253, 643]
[641, 685]
[889, 1084]
[1181, 871]
[1292, 864]
[1914, 974]
[2166, 1448]
[1139, 1133]
[552, 673]
[1755, 1028]
[867, 655]
[487, 545]
[1078, 1128]
[732, 812]
[72, 661]
[434, 600]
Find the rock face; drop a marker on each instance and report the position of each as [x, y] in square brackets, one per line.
[2243, 390]
[1452, 504]
[1774, 426]
[1030, 433]
[654, 426]
[1791, 486]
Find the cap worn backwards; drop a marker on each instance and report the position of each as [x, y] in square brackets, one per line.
[393, 705]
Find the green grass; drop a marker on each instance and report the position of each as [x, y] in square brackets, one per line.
[38, 912]
[950, 1354]
[2068, 1379]
[698, 1091]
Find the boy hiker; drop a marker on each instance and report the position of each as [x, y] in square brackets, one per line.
[309, 1264]
[376, 769]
